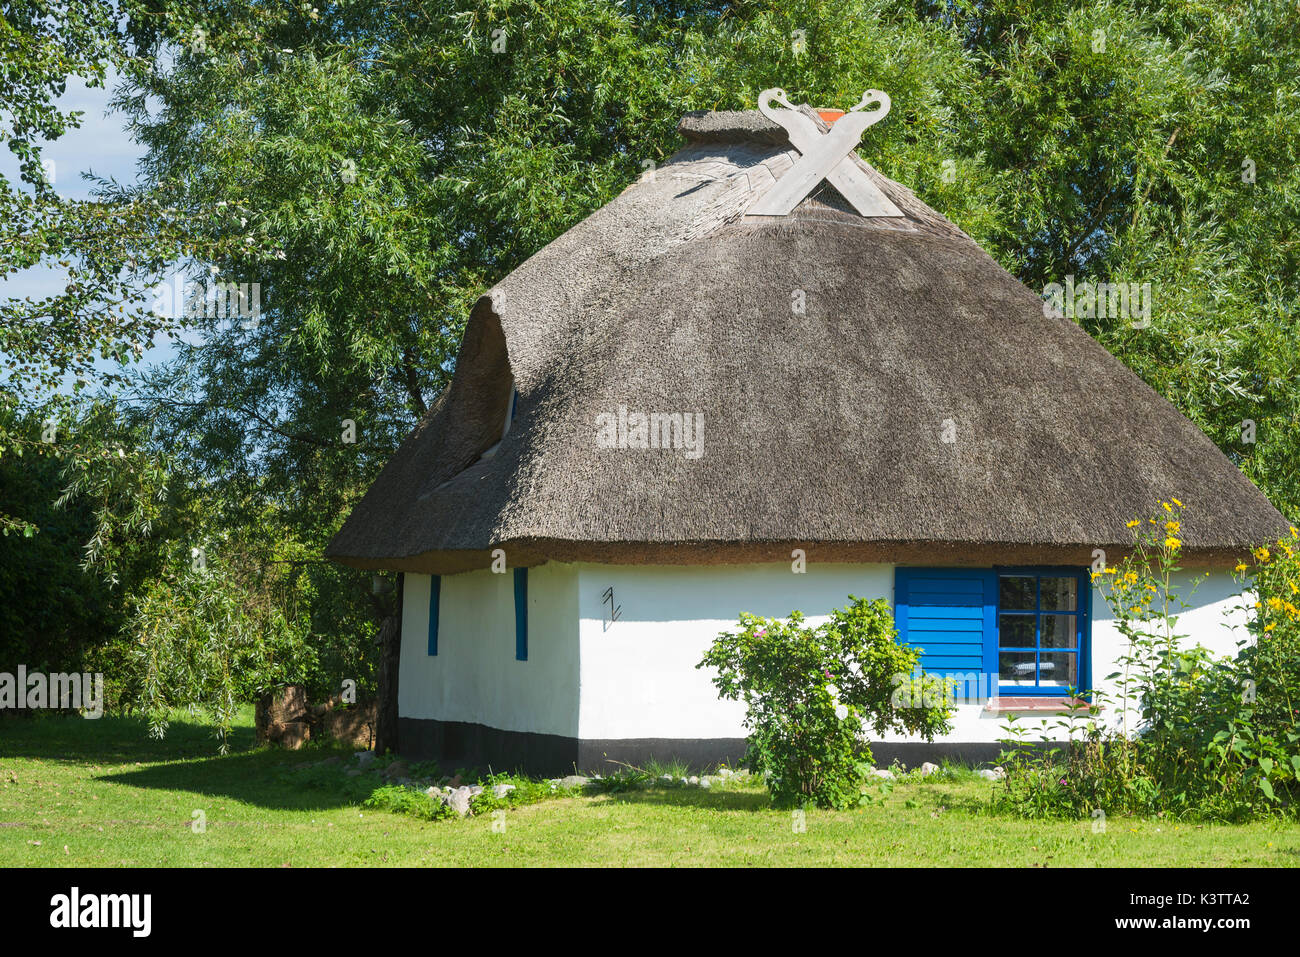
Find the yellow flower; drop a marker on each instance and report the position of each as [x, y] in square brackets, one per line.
[1173, 526]
[1294, 589]
[1270, 626]
[1131, 577]
[1172, 542]
[1263, 554]
[1275, 603]
[1295, 533]
[1135, 523]
[1258, 606]
[1241, 567]
[1168, 507]
[1178, 503]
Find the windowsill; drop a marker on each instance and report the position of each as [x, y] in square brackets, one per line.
[1032, 704]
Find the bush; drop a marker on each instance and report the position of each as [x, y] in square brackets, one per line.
[1200, 735]
[811, 693]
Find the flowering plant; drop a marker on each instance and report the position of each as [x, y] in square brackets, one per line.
[1270, 663]
[1198, 734]
[812, 694]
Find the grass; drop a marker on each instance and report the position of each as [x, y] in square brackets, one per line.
[76, 793]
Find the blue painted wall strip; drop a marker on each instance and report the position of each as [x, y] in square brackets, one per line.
[990, 619]
[521, 614]
[435, 594]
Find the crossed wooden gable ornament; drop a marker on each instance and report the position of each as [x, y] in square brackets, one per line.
[825, 156]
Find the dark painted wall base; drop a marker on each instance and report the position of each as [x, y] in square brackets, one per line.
[456, 744]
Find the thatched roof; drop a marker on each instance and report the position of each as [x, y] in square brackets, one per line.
[822, 430]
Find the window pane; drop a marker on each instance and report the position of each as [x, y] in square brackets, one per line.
[1060, 594]
[1059, 668]
[1016, 668]
[1016, 631]
[1059, 631]
[1017, 593]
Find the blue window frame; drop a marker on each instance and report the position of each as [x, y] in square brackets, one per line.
[435, 595]
[1042, 630]
[1013, 630]
[521, 614]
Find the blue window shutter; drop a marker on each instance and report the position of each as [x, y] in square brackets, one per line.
[521, 614]
[951, 614]
[435, 595]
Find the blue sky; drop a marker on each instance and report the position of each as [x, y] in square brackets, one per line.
[100, 145]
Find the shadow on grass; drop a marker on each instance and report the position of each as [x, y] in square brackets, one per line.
[186, 760]
[718, 800]
[254, 778]
[113, 740]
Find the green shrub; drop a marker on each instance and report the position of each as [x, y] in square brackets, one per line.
[1199, 735]
[811, 693]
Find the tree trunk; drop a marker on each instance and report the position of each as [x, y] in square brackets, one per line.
[390, 651]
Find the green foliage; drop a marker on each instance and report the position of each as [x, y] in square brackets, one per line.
[1198, 735]
[204, 644]
[52, 612]
[664, 774]
[811, 693]
[370, 790]
[1271, 661]
[103, 247]
[398, 799]
[197, 594]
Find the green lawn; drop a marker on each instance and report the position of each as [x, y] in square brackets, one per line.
[99, 793]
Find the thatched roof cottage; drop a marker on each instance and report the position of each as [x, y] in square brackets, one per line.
[656, 415]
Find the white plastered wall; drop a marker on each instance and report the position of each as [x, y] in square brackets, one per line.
[636, 677]
[475, 677]
[639, 678]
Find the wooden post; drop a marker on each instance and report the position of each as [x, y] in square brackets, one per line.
[390, 652]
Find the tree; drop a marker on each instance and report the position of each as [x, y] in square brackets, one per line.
[53, 613]
[104, 247]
